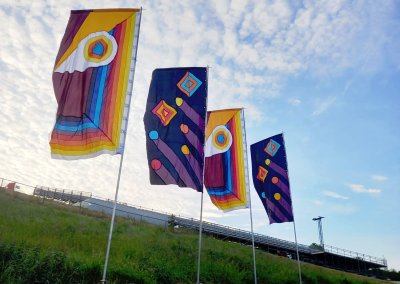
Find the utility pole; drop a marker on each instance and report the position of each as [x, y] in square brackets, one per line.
[321, 235]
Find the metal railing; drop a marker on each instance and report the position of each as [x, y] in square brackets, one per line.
[355, 255]
[208, 227]
[64, 195]
[240, 234]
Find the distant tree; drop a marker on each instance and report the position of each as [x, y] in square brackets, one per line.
[316, 246]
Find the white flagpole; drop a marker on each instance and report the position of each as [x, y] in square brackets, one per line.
[112, 220]
[129, 94]
[202, 193]
[252, 239]
[251, 210]
[297, 249]
[294, 224]
[200, 230]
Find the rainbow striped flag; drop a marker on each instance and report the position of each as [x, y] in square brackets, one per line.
[226, 160]
[92, 80]
[270, 178]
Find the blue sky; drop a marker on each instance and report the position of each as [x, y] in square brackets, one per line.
[323, 72]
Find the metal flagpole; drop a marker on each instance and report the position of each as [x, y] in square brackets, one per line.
[200, 230]
[294, 225]
[252, 239]
[202, 193]
[129, 94]
[112, 220]
[297, 249]
[251, 210]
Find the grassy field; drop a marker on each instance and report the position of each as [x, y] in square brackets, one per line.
[46, 242]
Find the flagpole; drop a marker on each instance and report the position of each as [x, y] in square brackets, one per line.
[202, 193]
[252, 239]
[112, 220]
[251, 209]
[200, 230]
[294, 223]
[129, 93]
[297, 249]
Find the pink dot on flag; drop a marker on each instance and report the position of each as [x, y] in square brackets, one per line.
[155, 164]
[275, 180]
[184, 128]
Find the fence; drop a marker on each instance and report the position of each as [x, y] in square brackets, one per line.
[139, 213]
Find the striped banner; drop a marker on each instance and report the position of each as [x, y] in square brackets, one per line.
[92, 79]
[226, 159]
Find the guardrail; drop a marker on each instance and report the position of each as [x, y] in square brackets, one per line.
[240, 234]
[211, 228]
[355, 255]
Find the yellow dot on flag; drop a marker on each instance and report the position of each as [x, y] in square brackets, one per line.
[267, 161]
[277, 196]
[178, 101]
[185, 150]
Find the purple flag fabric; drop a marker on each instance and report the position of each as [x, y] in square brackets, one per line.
[175, 124]
[270, 178]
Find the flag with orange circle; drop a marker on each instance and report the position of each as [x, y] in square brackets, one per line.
[225, 168]
[92, 80]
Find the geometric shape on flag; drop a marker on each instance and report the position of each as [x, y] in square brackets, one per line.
[262, 173]
[153, 135]
[185, 150]
[219, 141]
[267, 162]
[164, 112]
[95, 50]
[184, 128]
[277, 196]
[263, 195]
[155, 164]
[272, 147]
[189, 84]
[274, 180]
[98, 49]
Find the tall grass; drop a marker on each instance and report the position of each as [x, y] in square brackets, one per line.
[47, 242]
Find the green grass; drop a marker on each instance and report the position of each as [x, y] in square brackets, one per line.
[47, 242]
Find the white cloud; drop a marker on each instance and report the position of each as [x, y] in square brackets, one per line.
[317, 202]
[335, 195]
[378, 178]
[322, 105]
[294, 101]
[359, 188]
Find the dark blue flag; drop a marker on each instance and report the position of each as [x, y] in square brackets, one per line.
[270, 178]
[175, 124]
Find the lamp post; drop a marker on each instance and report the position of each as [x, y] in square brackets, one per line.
[321, 235]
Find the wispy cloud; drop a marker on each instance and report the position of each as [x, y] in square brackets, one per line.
[294, 101]
[322, 105]
[317, 202]
[359, 188]
[335, 195]
[378, 178]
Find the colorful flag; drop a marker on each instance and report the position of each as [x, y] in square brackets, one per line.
[270, 178]
[92, 80]
[174, 125]
[226, 159]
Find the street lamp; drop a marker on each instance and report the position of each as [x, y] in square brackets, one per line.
[321, 236]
